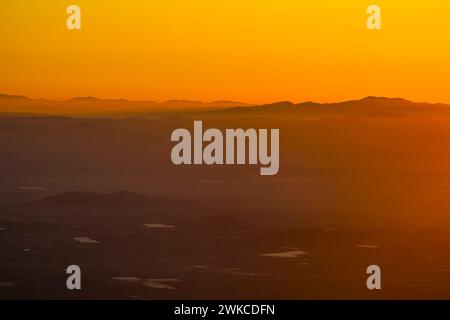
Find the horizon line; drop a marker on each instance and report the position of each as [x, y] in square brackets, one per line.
[179, 100]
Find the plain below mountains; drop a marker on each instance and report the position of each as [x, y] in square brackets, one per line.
[84, 198]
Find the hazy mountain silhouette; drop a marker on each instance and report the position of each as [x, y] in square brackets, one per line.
[281, 106]
[370, 106]
[7, 97]
[93, 106]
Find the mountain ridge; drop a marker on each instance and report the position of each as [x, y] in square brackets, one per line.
[93, 106]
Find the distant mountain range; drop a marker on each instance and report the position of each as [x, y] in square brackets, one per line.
[97, 106]
[369, 101]
[92, 106]
[372, 107]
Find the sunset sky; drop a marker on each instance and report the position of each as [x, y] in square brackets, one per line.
[245, 50]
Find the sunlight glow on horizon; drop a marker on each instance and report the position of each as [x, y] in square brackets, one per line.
[250, 51]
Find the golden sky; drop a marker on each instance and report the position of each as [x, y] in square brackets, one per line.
[246, 50]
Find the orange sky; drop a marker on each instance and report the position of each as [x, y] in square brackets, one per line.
[246, 50]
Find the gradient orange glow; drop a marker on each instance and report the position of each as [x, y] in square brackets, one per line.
[247, 50]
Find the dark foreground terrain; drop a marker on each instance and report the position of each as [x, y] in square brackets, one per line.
[157, 250]
[360, 183]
